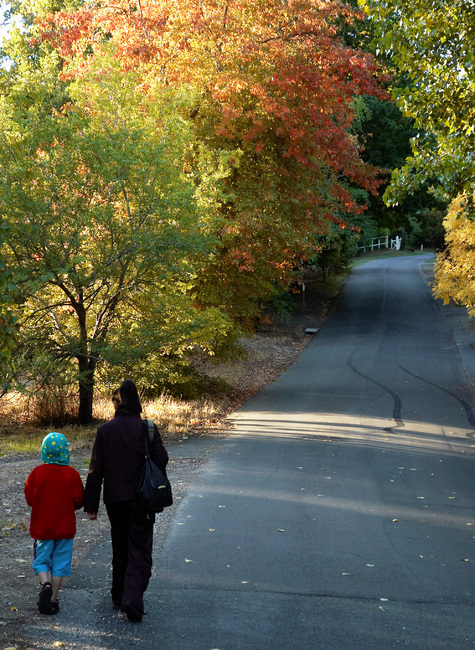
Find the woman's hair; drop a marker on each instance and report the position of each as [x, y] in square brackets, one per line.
[116, 396]
[129, 397]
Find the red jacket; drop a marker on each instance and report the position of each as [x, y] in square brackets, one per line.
[54, 492]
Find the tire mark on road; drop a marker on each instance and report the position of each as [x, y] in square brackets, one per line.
[397, 404]
[467, 408]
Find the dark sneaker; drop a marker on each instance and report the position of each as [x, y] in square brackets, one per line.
[44, 600]
[133, 613]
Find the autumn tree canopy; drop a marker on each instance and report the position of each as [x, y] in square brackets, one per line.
[181, 158]
[273, 87]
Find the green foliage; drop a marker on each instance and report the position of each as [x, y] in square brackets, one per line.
[335, 249]
[383, 131]
[428, 230]
[7, 320]
[386, 135]
[432, 44]
[106, 233]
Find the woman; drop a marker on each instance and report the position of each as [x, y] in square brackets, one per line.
[117, 460]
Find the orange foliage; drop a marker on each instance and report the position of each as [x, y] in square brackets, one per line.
[273, 81]
[261, 62]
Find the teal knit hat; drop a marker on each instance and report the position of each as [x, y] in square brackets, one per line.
[54, 449]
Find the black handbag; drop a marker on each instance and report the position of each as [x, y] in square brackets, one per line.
[154, 491]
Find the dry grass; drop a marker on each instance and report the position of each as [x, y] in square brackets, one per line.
[177, 419]
[181, 417]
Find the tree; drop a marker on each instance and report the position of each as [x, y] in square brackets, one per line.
[165, 165]
[7, 320]
[431, 41]
[386, 136]
[106, 234]
[273, 86]
[337, 248]
[454, 271]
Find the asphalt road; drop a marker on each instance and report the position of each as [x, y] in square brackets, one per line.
[339, 514]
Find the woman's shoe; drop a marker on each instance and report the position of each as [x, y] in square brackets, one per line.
[133, 613]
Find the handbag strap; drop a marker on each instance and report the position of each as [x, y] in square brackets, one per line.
[149, 436]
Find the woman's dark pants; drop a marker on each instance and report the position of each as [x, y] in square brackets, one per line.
[132, 542]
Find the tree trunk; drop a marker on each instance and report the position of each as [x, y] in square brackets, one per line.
[87, 365]
[86, 390]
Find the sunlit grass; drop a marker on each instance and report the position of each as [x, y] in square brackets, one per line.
[176, 419]
[182, 417]
[385, 253]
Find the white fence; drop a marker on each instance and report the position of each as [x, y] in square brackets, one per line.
[376, 243]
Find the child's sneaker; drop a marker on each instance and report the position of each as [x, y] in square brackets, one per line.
[44, 601]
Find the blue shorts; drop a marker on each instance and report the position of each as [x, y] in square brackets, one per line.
[53, 555]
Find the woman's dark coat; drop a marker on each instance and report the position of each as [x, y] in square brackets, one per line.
[117, 459]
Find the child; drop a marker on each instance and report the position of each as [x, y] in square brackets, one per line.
[54, 491]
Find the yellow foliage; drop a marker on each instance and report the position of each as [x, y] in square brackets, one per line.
[455, 267]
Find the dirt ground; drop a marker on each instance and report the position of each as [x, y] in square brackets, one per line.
[270, 353]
